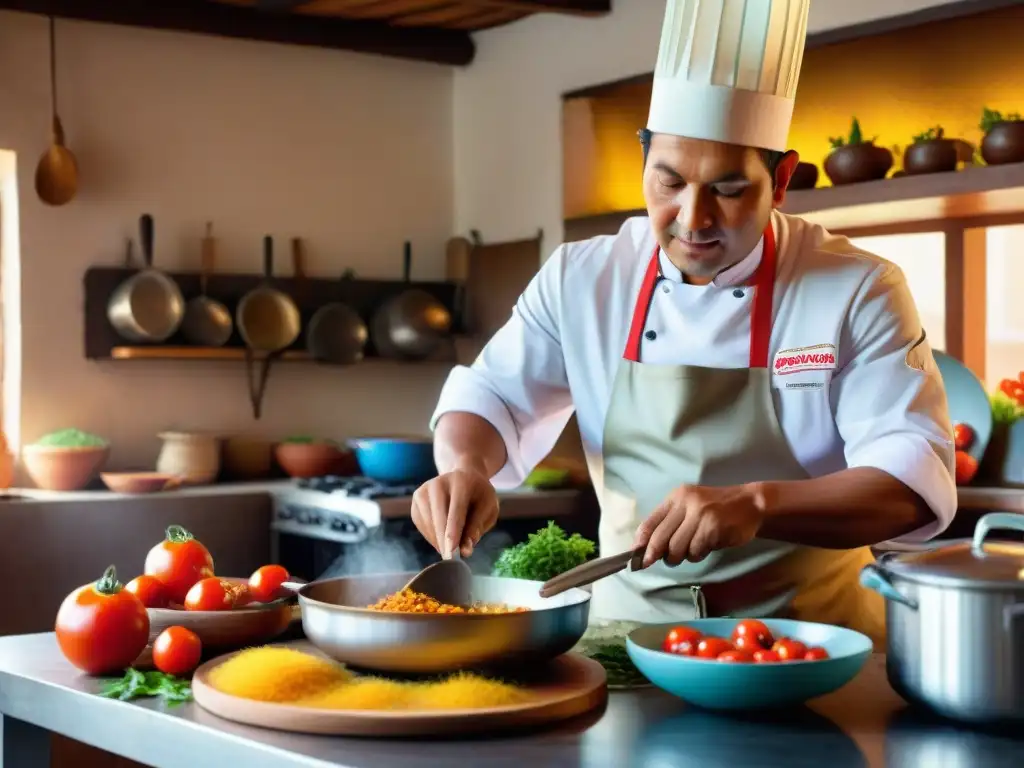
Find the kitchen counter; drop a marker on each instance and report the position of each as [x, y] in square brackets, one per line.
[864, 724]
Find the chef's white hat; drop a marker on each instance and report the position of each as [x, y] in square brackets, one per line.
[728, 69]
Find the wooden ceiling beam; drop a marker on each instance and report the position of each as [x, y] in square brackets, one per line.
[438, 46]
[569, 7]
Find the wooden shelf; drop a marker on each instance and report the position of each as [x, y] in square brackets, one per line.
[193, 353]
[977, 195]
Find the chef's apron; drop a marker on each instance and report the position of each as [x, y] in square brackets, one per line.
[672, 425]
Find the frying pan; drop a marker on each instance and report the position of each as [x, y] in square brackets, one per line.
[336, 333]
[412, 325]
[148, 306]
[269, 322]
[336, 620]
[207, 322]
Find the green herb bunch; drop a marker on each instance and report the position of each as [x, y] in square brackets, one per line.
[136, 685]
[544, 555]
[855, 137]
[618, 666]
[930, 135]
[990, 118]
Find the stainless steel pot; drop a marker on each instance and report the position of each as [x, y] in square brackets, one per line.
[336, 620]
[955, 617]
[148, 306]
[412, 325]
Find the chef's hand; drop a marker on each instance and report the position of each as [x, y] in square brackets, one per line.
[455, 509]
[696, 520]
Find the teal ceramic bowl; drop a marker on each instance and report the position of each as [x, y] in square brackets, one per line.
[717, 685]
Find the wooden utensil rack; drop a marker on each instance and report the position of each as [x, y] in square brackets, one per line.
[365, 296]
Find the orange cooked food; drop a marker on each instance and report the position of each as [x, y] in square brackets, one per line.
[407, 601]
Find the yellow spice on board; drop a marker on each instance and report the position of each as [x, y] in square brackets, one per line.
[276, 674]
[368, 693]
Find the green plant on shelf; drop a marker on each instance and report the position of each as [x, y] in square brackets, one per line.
[856, 137]
[990, 118]
[933, 133]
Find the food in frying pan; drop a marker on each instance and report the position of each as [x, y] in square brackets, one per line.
[407, 601]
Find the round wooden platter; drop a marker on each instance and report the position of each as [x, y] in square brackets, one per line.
[573, 685]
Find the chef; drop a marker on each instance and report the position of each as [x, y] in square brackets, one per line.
[757, 398]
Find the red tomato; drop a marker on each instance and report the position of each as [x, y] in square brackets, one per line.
[176, 651]
[215, 594]
[102, 627]
[736, 657]
[713, 647]
[1012, 389]
[790, 650]
[966, 467]
[963, 437]
[151, 592]
[765, 657]
[179, 561]
[265, 583]
[753, 632]
[815, 654]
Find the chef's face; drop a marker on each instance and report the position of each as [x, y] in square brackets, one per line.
[709, 202]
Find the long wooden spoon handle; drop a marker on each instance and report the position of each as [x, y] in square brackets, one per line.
[591, 571]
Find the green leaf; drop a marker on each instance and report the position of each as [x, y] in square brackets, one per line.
[136, 685]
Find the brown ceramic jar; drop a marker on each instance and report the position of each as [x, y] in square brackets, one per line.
[855, 163]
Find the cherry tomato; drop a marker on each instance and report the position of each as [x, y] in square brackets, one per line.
[176, 651]
[736, 657]
[713, 647]
[765, 656]
[963, 437]
[966, 467]
[151, 592]
[179, 561]
[216, 594]
[681, 641]
[815, 654]
[265, 583]
[790, 650]
[753, 632]
[102, 627]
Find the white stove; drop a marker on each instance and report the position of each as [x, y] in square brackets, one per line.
[340, 509]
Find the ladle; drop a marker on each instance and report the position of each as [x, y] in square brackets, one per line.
[57, 171]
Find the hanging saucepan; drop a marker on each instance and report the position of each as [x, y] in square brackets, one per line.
[148, 306]
[336, 333]
[412, 325]
[207, 322]
[268, 322]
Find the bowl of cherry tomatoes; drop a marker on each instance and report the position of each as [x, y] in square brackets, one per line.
[730, 664]
[179, 588]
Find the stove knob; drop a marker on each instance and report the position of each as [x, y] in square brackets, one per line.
[285, 513]
[315, 518]
[337, 524]
[303, 517]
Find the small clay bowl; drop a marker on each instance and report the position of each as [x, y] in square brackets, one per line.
[309, 459]
[931, 156]
[857, 163]
[805, 176]
[227, 630]
[1004, 143]
[54, 468]
[138, 482]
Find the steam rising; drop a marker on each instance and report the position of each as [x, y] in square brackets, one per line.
[391, 553]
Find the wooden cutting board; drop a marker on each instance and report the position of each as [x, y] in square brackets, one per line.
[573, 685]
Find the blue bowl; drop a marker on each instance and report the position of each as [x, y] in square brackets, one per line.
[717, 685]
[968, 401]
[395, 460]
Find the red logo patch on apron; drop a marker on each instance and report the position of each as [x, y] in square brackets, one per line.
[820, 357]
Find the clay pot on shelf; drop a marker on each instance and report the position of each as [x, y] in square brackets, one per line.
[56, 468]
[937, 155]
[804, 177]
[314, 459]
[855, 163]
[1004, 143]
[192, 457]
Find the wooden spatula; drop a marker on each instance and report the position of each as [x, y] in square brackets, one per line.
[449, 581]
[592, 571]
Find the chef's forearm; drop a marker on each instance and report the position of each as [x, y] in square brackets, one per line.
[852, 508]
[467, 441]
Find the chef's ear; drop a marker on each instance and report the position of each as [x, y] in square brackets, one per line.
[783, 174]
[645, 143]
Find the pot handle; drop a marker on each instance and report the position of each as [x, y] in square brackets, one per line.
[994, 521]
[874, 578]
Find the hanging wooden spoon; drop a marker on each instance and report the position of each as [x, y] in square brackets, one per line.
[57, 172]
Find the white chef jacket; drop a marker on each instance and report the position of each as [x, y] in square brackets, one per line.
[854, 385]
